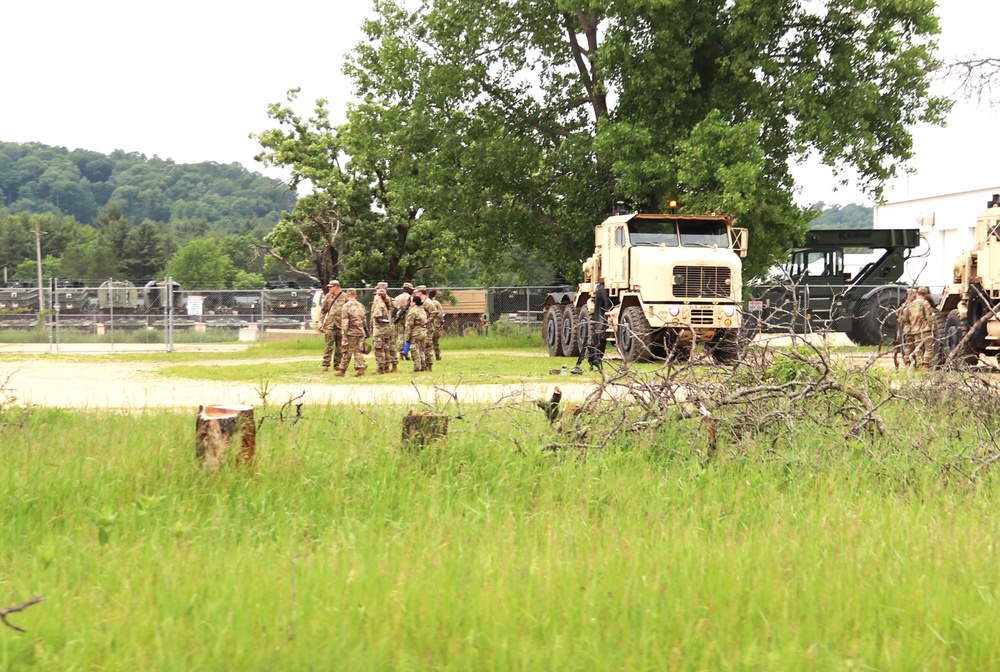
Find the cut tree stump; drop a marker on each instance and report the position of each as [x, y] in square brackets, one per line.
[423, 429]
[225, 433]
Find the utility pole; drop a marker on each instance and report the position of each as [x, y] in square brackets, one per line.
[38, 260]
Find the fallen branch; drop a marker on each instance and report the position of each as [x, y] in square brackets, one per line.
[13, 610]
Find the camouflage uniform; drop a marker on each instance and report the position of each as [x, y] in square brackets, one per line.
[430, 309]
[920, 317]
[352, 325]
[399, 304]
[906, 344]
[330, 324]
[438, 313]
[383, 334]
[415, 333]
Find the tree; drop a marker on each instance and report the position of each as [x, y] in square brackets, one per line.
[201, 265]
[146, 251]
[524, 121]
[977, 76]
[356, 225]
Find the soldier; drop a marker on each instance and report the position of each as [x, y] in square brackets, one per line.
[329, 324]
[921, 322]
[383, 335]
[400, 305]
[415, 332]
[430, 308]
[438, 324]
[904, 335]
[352, 327]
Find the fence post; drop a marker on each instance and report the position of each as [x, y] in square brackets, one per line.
[53, 319]
[111, 310]
[168, 307]
[260, 332]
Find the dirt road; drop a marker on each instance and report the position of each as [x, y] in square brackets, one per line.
[102, 384]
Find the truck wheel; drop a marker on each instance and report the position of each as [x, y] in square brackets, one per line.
[954, 332]
[634, 335]
[726, 350]
[550, 331]
[583, 328]
[876, 322]
[977, 308]
[568, 332]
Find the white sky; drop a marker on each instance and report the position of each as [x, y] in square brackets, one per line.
[190, 80]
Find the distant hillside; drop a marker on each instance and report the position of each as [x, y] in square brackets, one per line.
[851, 216]
[36, 178]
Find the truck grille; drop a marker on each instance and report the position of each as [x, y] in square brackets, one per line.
[701, 316]
[701, 281]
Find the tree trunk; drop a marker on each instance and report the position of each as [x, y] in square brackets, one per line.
[225, 433]
[423, 429]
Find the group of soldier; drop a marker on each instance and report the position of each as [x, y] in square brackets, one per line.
[915, 322]
[406, 327]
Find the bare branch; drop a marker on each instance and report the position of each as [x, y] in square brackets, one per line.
[13, 610]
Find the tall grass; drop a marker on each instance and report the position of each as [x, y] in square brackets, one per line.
[340, 550]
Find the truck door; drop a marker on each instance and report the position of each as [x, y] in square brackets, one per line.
[617, 258]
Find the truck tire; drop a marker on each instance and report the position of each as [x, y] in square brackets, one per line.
[977, 308]
[634, 336]
[726, 350]
[550, 330]
[583, 328]
[875, 323]
[568, 332]
[954, 331]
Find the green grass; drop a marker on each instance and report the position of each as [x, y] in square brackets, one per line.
[340, 550]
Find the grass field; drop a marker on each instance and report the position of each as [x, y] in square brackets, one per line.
[340, 550]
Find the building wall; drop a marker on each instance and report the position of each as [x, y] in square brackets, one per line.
[947, 225]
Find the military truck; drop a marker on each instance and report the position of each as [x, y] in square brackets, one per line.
[974, 293]
[815, 292]
[656, 285]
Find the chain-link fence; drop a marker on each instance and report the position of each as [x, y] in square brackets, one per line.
[117, 311]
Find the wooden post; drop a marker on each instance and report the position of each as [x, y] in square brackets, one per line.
[217, 430]
[423, 429]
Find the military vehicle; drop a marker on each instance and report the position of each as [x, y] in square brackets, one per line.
[18, 297]
[656, 285]
[815, 293]
[968, 304]
[120, 296]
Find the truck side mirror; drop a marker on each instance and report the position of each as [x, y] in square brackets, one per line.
[739, 241]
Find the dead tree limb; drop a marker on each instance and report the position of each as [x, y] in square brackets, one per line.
[13, 610]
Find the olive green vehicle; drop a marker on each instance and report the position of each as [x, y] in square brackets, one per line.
[656, 285]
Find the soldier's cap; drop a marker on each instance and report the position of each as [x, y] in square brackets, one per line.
[333, 283]
[421, 288]
[911, 292]
[382, 285]
[351, 291]
[380, 290]
[407, 285]
[923, 290]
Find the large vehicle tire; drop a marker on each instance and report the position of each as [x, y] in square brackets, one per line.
[726, 350]
[978, 307]
[551, 329]
[954, 331]
[568, 332]
[634, 336]
[583, 328]
[875, 323]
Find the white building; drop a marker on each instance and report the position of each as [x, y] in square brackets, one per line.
[947, 225]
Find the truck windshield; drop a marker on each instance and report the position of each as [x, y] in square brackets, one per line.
[653, 232]
[703, 234]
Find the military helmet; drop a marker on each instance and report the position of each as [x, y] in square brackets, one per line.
[923, 290]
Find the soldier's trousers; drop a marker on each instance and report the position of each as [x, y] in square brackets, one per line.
[353, 349]
[384, 345]
[417, 354]
[428, 351]
[392, 343]
[924, 352]
[333, 348]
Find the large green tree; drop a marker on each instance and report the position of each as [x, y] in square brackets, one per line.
[359, 224]
[518, 123]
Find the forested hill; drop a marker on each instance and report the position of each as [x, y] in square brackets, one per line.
[36, 178]
[851, 216]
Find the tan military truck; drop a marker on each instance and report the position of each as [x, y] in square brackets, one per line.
[655, 286]
[974, 293]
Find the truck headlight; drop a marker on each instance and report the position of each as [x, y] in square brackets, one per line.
[674, 310]
[729, 310]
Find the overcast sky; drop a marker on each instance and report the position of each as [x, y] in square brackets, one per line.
[190, 80]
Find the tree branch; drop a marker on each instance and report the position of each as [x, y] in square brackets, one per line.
[13, 610]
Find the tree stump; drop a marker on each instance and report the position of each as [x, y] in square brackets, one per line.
[225, 433]
[423, 429]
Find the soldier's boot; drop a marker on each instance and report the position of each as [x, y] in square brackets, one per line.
[360, 373]
[437, 357]
[338, 372]
[393, 369]
[324, 368]
[428, 367]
